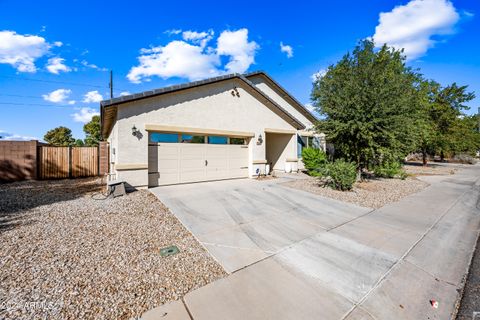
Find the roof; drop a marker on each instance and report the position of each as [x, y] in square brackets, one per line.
[301, 108]
[108, 110]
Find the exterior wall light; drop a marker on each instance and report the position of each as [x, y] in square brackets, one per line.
[134, 131]
[235, 92]
[260, 139]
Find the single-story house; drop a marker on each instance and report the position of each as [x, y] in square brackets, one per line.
[231, 126]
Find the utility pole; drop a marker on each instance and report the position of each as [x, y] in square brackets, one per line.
[111, 84]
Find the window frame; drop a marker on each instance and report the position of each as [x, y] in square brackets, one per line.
[227, 140]
[192, 135]
[162, 133]
[244, 141]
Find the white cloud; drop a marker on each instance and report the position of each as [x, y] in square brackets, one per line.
[317, 75]
[4, 135]
[172, 32]
[236, 45]
[85, 63]
[58, 96]
[176, 59]
[58, 43]
[124, 93]
[195, 37]
[413, 25]
[287, 49]
[92, 97]
[190, 58]
[21, 51]
[56, 65]
[84, 115]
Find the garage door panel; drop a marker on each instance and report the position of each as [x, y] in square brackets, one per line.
[171, 163]
[168, 164]
[192, 151]
[217, 151]
[192, 175]
[165, 178]
[192, 164]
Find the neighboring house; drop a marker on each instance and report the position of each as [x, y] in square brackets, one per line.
[231, 126]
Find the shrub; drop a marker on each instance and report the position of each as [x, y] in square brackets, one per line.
[392, 169]
[340, 175]
[313, 159]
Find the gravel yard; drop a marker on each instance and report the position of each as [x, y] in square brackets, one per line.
[65, 255]
[374, 193]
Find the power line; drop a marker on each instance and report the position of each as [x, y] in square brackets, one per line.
[56, 82]
[35, 104]
[19, 96]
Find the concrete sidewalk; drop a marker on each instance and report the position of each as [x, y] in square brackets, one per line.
[383, 264]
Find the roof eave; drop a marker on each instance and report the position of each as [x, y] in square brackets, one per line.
[306, 112]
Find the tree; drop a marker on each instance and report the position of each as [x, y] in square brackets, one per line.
[79, 143]
[465, 135]
[60, 136]
[425, 124]
[446, 114]
[92, 131]
[368, 100]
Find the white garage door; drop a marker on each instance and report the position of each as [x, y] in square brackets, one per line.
[172, 163]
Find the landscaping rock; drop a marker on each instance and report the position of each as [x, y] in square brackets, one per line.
[65, 255]
[373, 193]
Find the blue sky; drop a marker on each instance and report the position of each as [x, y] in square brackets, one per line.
[55, 55]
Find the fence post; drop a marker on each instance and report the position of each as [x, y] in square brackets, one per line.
[103, 154]
[70, 162]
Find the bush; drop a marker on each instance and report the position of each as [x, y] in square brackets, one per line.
[314, 160]
[340, 175]
[390, 170]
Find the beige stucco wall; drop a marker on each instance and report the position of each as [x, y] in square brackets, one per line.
[280, 148]
[260, 82]
[211, 107]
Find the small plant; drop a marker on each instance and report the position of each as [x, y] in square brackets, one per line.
[340, 175]
[392, 169]
[314, 160]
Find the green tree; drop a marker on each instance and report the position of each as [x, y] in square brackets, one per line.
[79, 143]
[92, 131]
[60, 136]
[446, 113]
[369, 100]
[425, 125]
[465, 136]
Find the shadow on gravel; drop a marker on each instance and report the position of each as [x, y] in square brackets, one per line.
[17, 198]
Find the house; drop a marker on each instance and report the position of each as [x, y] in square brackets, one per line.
[231, 126]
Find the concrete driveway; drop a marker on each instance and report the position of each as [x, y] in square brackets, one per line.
[295, 255]
[243, 221]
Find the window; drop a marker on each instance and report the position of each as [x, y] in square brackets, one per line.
[301, 143]
[237, 140]
[217, 140]
[313, 142]
[163, 137]
[188, 138]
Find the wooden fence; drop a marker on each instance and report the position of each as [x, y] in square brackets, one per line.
[67, 162]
